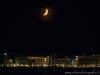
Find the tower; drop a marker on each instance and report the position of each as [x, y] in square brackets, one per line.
[5, 59]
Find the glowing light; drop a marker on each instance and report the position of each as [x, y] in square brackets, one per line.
[45, 59]
[46, 12]
[17, 64]
[5, 53]
[22, 65]
[7, 65]
[45, 65]
[14, 65]
[26, 65]
[76, 56]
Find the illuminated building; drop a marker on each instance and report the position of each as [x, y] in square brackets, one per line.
[76, 61]
[89, 60]
[40, 60]
[27, 61]
[5, 59]
[61, 62]
[47, 61]
[36, 61]
[11, 61]
[22, 60]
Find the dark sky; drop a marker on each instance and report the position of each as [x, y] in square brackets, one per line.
[67, 32]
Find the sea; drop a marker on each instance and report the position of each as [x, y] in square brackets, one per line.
[49, 71]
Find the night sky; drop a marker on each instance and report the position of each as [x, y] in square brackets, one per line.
[66, 32]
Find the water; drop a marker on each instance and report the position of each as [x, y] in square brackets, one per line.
[51, 71]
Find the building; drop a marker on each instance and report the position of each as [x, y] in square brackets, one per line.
[42, 61]
[61, 62]
[45, 61]
[88, 60]
[5, 59]
[21, 60]
[28, 61]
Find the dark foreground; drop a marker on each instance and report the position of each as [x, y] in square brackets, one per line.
[51, 71]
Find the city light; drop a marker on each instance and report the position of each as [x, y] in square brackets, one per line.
[47, 61]
[5, 53]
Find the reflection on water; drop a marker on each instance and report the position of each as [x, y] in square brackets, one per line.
[50, 71]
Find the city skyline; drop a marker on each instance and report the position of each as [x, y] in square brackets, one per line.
[50, 61]
[48, 37]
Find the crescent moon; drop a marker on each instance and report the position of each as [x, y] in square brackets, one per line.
[46, 12]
